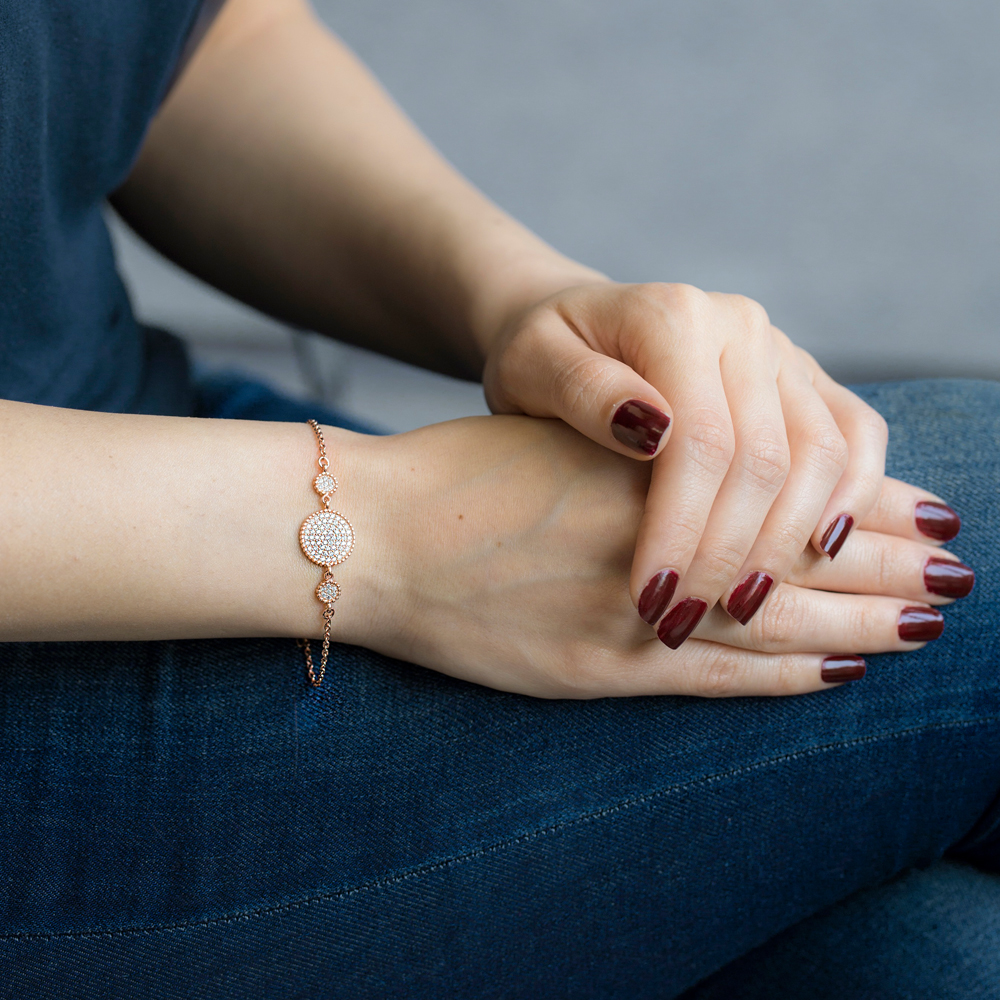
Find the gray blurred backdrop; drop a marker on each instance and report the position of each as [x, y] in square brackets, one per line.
[839, 162]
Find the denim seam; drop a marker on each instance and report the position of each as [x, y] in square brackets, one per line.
[479, 852]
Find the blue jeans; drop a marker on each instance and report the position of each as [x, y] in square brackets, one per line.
[190, 819]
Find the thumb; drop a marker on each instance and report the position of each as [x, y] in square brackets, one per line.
[548, 371]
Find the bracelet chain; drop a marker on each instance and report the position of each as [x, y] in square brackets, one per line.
[327, 539]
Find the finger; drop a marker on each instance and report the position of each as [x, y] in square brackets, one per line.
[818, 459]
[757, 473]
[874, 563]
[905, 510]
[795, 619]
[685, 482]
[855, 494]
[559, 375]
[712, 670]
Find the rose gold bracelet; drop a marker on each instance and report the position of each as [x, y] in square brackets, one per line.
[326, 538]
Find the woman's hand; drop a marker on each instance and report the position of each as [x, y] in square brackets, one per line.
[279, 171]
[495, 549]
[498, 550]
[757, 452]
[377, 240]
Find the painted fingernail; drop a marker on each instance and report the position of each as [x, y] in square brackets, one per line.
[834, 537]
[639, 426]
[920, 624]
[948, 578]
[937, 521]
[749, 596]
[840, 669]
[680, 621]
[656, 596]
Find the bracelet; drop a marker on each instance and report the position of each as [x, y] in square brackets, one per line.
[326, 538]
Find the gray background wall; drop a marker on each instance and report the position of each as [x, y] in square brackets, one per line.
[839, 162]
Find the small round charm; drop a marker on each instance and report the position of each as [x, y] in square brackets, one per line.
[326, 538]
[328, 592]
[324, 483]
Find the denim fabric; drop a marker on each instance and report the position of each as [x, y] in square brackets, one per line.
[926, 935]
[190, 819]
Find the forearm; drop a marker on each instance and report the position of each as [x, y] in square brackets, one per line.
[281, 172]
[139, 527]
[496, 549]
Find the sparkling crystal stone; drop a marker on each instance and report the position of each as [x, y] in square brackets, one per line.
[326, 537]
[325, 483]
[328, 592]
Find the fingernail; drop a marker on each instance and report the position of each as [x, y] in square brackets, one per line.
[920, 624]
[937, 521]
[834, 537]
[840, 669]
[680, 621]
[640, 426]
[948, 578]
[656, 596]
[749, 596]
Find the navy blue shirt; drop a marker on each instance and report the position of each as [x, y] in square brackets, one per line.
[79, 82]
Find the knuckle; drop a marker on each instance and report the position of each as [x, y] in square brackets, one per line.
[787, 677]
[710, 442]
[677, 294]
[788, 350]
[828, 447]
[722, 676]
[580, 381]
[884, 569]
[884, 508]
[767, 460]
[790, 537]
[685, 534]
[875, 424]
[722, 563]
[753, 315]
[682, 302]
[865, 623]
[779, 621]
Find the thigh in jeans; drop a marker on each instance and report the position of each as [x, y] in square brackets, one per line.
[931, 933]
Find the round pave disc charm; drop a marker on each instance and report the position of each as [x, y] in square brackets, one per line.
[324, 483]
[328, 591]
[326, 538]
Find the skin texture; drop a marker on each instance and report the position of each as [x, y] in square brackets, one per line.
[279, 171]
[495, 549]
[502, 550]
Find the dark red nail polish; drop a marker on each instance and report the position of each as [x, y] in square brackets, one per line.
[680, 621]
[749, 596]
[937, 521]
[948, 578]
[834, 537]
[657, 595]
[920, 624]
[639, 425]
[840, 669]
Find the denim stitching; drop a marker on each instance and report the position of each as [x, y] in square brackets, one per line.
[479, 852]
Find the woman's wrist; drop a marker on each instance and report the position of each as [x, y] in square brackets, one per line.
[524, 271]
[368, 495]
[176, 528]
